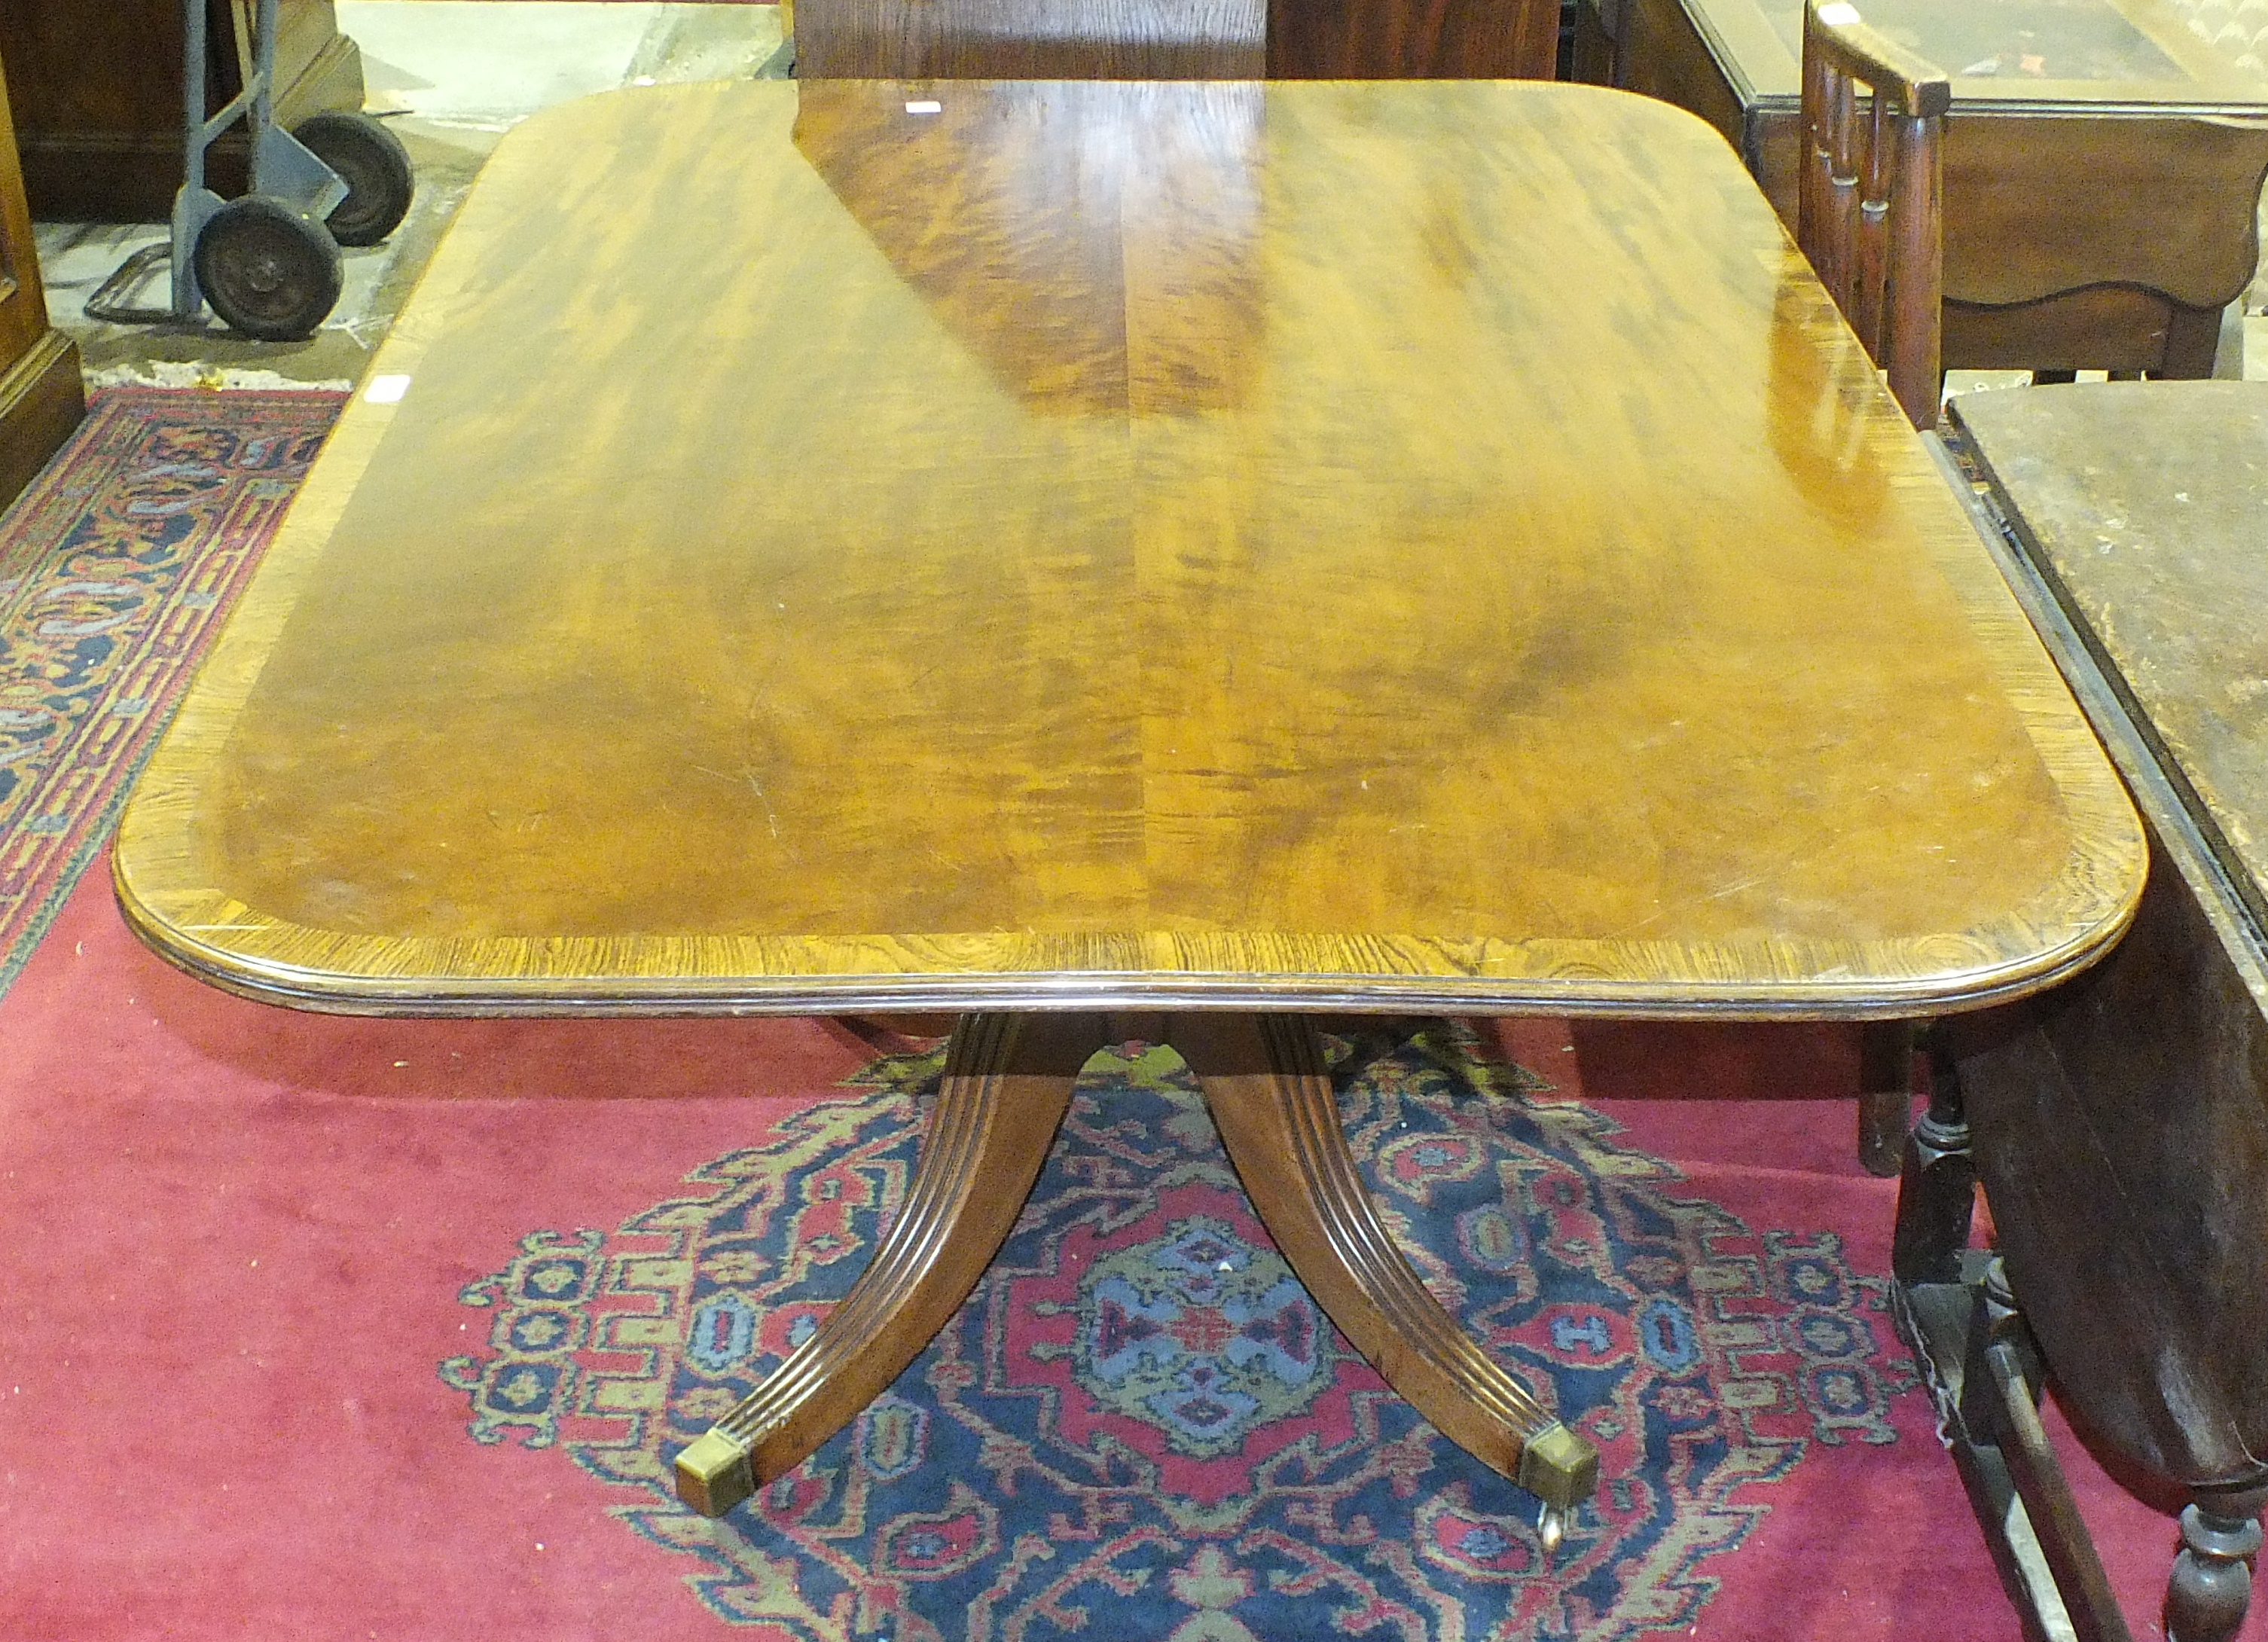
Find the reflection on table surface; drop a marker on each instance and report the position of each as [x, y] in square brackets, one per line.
[1212, 536]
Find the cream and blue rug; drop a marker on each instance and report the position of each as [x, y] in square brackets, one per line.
[116, 566]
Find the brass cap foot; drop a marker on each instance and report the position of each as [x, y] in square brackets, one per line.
[1561, 1469]
[713, 1473]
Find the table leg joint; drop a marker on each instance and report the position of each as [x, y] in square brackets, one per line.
[1271, 1098]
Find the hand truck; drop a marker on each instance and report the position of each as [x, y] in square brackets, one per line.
[268, 261]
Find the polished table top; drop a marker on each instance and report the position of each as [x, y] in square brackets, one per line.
[1307, 546]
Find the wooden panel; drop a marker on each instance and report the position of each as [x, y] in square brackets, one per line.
[2146, 501]
[1775, 150]
[1591, 55]
[1366, 39]
[1105, 39]
[2121, 1132]
[1104, 544]
[79, 68]
[1664, 56]
[2109, 327]
[1176, 39]
[2022, 217]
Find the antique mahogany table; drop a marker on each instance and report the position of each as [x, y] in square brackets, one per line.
[1235, 553]
[2102, 165]
[2121, 1121]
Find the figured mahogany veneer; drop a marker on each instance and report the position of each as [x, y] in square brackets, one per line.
[1229, 548]
[1110, 546]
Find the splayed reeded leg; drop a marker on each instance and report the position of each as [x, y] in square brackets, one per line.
[1007, 1084]
[1264, 1079]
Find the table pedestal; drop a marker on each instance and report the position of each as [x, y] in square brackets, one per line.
[1007, 1084]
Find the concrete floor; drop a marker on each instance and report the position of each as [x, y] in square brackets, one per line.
[451, 78]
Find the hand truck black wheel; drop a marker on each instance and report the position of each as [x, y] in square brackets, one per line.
[373, 164]
[269, 271]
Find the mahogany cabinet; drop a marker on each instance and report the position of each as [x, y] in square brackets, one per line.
[1140, 39]
[42, 395]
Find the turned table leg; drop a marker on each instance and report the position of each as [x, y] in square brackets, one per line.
[1886, 1081]
[2211, 1584]
[1271, 1099]
[1971, 1340]
[1937, 1186]
[1007, 1084]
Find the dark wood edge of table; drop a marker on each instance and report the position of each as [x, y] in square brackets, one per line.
[489, 995]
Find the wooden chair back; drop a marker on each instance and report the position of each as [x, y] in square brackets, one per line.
[1870, 210]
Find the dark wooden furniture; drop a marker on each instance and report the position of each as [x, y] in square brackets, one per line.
[1322, 40]
[97, 96]
[1109, 40]
[2120, 1123]
[1128, 547]
[2102, 167]
[1869, 212]
[1591, 41]
[1141, 40]
[42, 395]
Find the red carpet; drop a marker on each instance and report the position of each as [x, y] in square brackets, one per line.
[238, 1235]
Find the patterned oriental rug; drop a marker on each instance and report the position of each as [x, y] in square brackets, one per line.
[116, 565]
[323, 1328]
